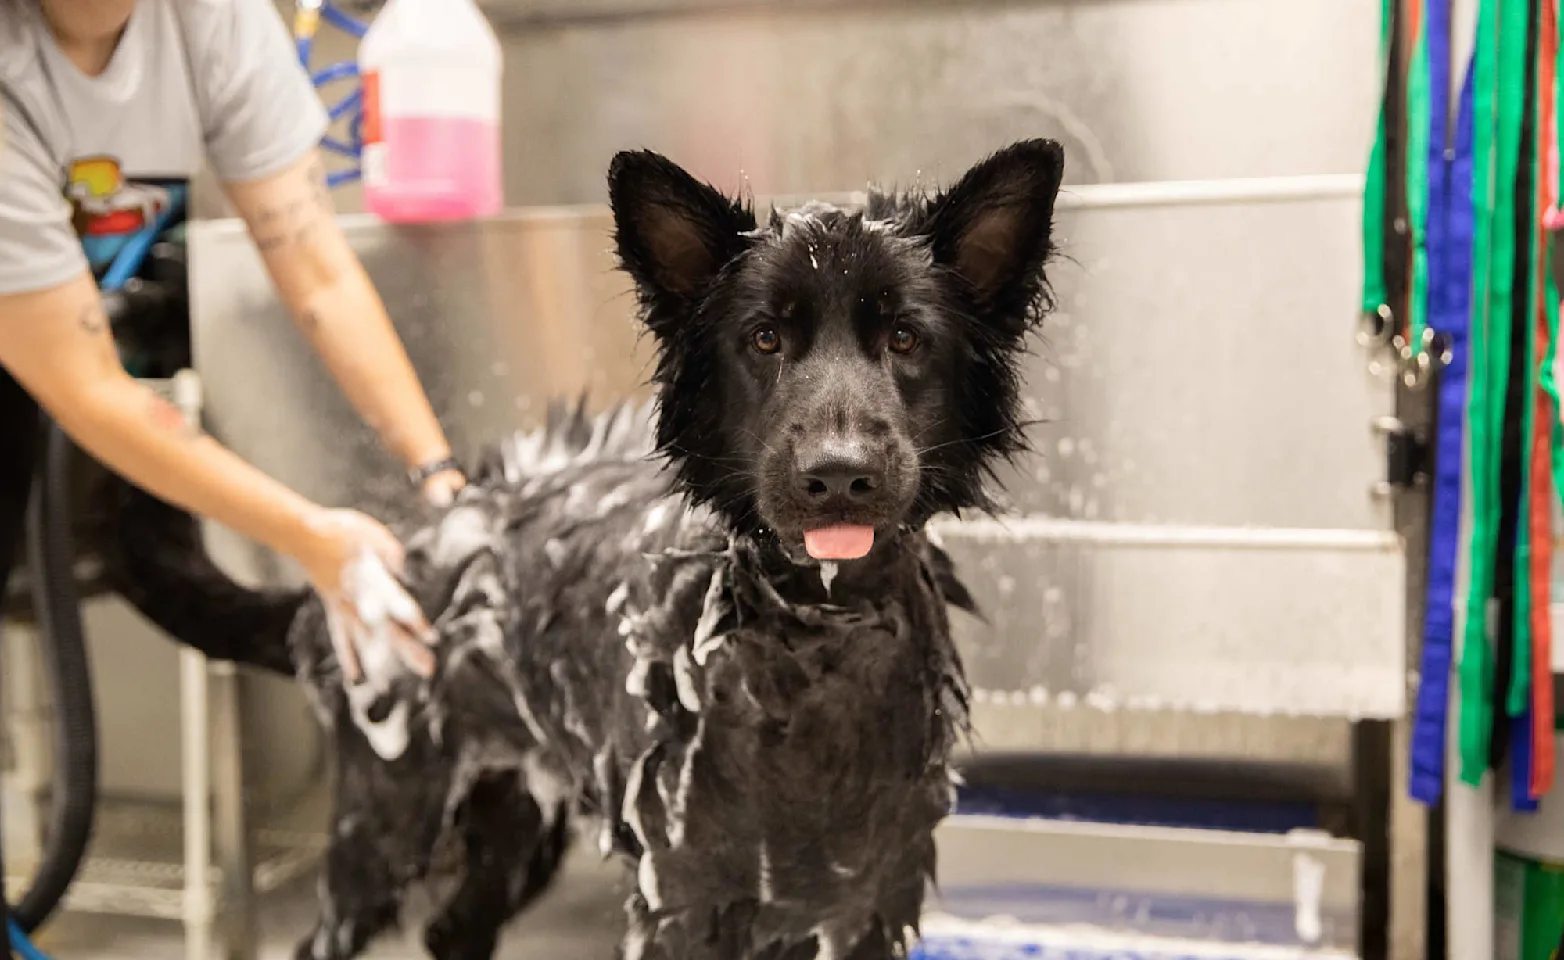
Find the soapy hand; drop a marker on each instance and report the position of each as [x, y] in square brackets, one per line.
[372, 619]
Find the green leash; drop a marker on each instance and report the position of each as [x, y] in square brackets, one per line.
[1375, 296]
[1498, 99]
[1417, 132]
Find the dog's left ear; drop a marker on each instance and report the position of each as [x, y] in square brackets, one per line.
[994, 227]
[673, 233]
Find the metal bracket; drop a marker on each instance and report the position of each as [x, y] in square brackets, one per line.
[1406, 457]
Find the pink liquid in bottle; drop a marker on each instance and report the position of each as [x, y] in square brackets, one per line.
[435, 168]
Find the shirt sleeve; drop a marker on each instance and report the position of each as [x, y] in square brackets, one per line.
[38, 247]
[259, 112]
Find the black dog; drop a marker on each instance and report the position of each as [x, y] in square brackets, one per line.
[742, 665]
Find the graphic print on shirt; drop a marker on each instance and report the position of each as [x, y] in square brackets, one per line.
[107, 209]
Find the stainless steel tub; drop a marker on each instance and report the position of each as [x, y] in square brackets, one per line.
[1197, 530]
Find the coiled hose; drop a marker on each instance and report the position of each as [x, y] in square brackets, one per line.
[57, 606]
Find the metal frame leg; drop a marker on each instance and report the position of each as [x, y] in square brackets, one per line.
[233, 835]
[213, 739]
[1409, 822]
[28, 726]
[196, 746]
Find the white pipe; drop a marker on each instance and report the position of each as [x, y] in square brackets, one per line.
[1054, 530]
[1164, 193]
[1085, 196]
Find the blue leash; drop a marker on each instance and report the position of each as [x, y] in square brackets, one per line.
[1449, 239]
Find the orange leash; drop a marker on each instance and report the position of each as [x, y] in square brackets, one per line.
[1544, 422]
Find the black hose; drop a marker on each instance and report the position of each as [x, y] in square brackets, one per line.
[51, 563]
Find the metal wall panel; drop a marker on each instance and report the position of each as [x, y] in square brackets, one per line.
[810, 97]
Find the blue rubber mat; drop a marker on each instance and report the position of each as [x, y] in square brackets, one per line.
[964, 941]
[961, 949]
[1247, 816]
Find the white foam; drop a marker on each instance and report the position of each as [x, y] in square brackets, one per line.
[388, 738]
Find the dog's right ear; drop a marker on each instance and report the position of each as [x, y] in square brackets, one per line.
[673, 233]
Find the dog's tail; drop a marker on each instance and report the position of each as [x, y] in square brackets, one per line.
[155, 558]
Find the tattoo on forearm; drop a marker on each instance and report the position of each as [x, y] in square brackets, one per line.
[92, 319]
[293, 220]
[317, 178]
[168, 417]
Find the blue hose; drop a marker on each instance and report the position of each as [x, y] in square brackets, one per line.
[351, 105]
[135, 250]
[342, 70]
[24, 947]
[343, 22]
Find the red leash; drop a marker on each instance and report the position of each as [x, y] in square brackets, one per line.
[1544, 422]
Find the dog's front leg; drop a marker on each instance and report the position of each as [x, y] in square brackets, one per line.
[512, 851]
[357, 902]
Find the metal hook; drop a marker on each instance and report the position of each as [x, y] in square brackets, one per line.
[1376, 327]
[1418, 369]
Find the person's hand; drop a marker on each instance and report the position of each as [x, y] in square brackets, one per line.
[351, 562]
[440, 489]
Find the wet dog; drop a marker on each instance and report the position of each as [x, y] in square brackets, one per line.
[714, 626]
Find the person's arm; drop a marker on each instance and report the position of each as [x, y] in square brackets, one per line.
[291, 219]
[262, 122]
[56, 342]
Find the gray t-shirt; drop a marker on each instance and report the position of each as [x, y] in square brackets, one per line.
[86, 162]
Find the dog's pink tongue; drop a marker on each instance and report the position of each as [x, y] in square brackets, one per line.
[843, 542]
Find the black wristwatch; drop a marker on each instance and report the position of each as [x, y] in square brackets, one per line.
[420, 474]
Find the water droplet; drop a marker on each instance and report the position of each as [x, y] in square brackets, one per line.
[500, 368]
[523, 402]
[1006, 585]
[1077, 499]
[1066, 446]
[475, 398]
[1051, 374]
[1052, 595]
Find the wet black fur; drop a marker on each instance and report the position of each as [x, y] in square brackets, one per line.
[765, 742]
[744, 275]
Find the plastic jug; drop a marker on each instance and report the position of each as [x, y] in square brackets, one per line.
[431, 71]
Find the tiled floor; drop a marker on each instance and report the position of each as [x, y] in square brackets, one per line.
[577, 920]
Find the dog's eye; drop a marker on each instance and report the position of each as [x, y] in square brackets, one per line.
[766, 340]
[903, 340]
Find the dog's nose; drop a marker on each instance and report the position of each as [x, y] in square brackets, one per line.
[839, 477]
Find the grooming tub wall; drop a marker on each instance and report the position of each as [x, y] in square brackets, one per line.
[1198, 529]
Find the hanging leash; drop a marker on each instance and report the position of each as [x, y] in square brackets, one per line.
[1383, 227]
[1512, 739]
[1498, 103]
[1544, 433]
[1449, 234]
